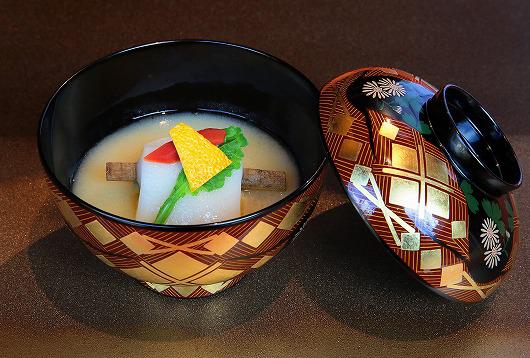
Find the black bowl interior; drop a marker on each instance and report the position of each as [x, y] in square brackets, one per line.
[181, 76]
[482, 135]
[472, 140]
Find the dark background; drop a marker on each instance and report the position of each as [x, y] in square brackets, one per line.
[484, 46]
[313, 299]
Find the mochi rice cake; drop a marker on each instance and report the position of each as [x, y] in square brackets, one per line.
[156, 181]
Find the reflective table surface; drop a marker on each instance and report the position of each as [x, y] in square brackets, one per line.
[312, 300]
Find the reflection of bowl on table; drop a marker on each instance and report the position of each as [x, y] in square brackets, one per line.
[193, 260]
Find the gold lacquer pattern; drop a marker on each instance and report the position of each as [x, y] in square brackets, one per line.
[404, 192]
[436, 168]
[410, 241]
[350, 149]
[360, 175]
[221, 244]
[458, 229]
[388, 130]
[189, 264]
[452, 274]
[258, 234]
[431, 259]
[180, 266]
[340, 124]
[438, 202]
[404, 157]
[68, 215]
[100, 233]
[404, 185]
[139, 244]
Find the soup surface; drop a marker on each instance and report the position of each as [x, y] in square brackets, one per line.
[127, 144]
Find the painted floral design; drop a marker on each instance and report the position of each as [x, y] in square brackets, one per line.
[489, 234]
[399, 98]
[372, 89]
[493, 211]
[392, 87]
[471, 201]
[493, 256]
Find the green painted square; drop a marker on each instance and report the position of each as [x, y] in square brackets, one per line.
[410, 241]
[360, 175]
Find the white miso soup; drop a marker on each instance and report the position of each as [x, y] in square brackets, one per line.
[131, 143]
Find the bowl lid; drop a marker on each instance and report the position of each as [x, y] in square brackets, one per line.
[454, 228]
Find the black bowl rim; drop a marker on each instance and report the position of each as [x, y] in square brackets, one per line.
[177, 228]
[493, 123]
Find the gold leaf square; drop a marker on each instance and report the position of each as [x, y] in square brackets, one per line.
[410, 241]
[221, 243]
[350, 149]
[293, 215]
[137, 243]
[258, 234]
[451, 275]
[431, 259]
[185, 291]
[458, 229]
[404, 192]
[360, 175]
[437, 202]
[262, 261]
[99, 232]
[388, 130]
[215, 287]
[157, 286]
[68, 214]
[436, 168]
[180, 265]
[404, 157]
[340, 123]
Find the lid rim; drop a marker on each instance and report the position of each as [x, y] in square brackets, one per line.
[438, 106]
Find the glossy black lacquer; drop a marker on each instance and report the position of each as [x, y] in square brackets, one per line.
[189, 75]
[473, 141]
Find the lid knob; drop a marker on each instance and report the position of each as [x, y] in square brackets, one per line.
[473, 141]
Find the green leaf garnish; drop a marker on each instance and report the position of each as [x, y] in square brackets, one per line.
[180, 189]
[232, 147]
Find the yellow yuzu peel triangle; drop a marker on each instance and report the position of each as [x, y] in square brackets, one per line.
[201, 160]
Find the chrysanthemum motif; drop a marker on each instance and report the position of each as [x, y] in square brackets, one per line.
[493, 256]
[392, 87]
[490, 234]
[372, 89]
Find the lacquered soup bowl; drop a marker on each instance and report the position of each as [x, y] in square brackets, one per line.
[191, 260]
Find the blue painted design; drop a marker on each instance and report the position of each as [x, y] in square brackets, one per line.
[363, 204]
